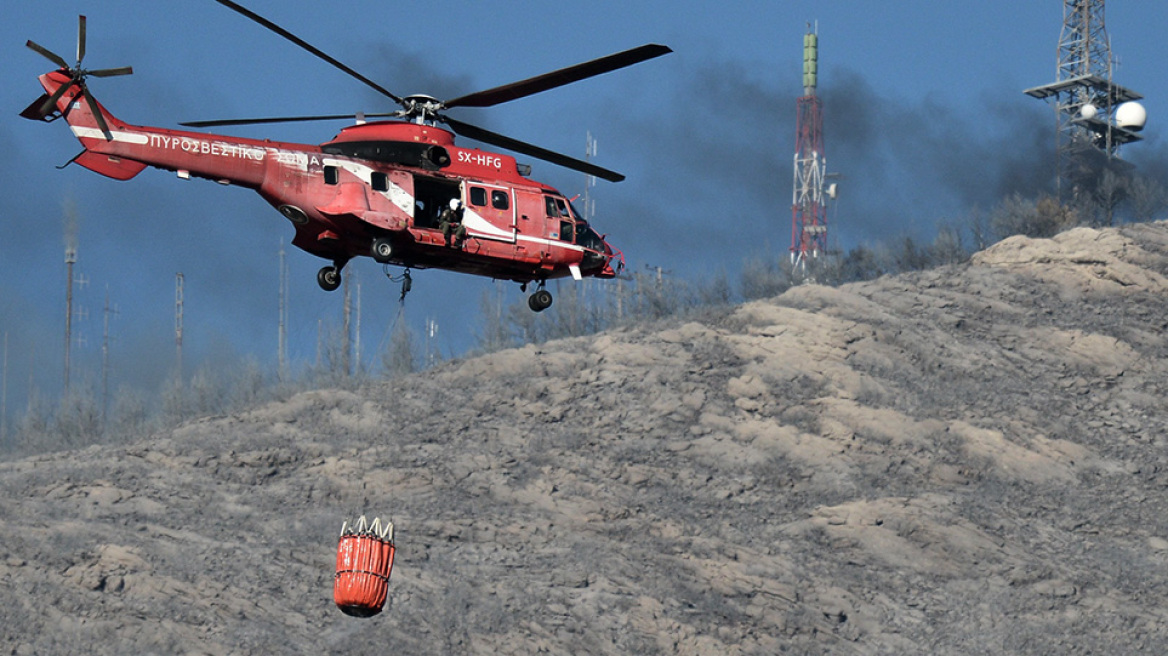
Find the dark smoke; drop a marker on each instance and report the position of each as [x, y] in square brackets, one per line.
[911, 166]
[709, 184]
[714, 166]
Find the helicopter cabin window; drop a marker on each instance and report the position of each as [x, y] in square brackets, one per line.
[500, 200]
[478, 196]
[379, 181]
[330, 175]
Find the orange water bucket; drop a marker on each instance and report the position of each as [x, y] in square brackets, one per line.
[364, 562]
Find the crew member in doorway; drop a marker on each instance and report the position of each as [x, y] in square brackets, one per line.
[450, 222]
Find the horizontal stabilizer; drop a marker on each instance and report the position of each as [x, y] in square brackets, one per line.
[114, 167]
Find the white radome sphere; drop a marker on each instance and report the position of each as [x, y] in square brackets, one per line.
[1131, 116]
[1088, 111]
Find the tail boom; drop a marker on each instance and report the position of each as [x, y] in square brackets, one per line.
[120, 150]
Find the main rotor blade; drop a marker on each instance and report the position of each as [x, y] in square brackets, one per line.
[279, 119]
[495, 139]
[307, 46]
[49, 54]
[80, 40]
[110, 72]
[516, 90]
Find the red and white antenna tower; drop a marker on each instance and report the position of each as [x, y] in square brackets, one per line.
[809, 200]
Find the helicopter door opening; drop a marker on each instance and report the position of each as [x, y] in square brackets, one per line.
[490, 212]
[431, 196]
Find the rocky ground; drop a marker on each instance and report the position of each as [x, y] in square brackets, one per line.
[965, 460]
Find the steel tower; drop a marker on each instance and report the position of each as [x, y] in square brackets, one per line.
[1091, 118]
[809, 204]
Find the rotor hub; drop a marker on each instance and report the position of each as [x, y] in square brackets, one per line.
[421, 108]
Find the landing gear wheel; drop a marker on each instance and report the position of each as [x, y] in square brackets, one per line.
[382, 250]
[329, 278]
[540, 300]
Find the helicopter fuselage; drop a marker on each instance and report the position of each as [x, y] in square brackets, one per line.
[376, 189]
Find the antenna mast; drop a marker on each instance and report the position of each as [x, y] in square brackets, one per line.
[590, 180]
[4, 395]
[105, 339]
[347, 337]
[357, 331]
[70, 260]
[178, 324]
[431, 342]
[809, 204]
[319, 346]
[282, 343]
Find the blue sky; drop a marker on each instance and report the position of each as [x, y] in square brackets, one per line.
[925, 119]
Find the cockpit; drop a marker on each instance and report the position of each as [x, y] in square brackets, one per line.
[573, 228]
[585, 235]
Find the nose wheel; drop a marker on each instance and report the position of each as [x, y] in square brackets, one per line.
[540, 300]
[329, 278]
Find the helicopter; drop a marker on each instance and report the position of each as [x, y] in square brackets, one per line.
[378, 188]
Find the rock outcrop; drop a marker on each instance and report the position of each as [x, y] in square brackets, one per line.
[971, 459]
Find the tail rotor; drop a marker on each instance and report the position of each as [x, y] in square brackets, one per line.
[77, 76]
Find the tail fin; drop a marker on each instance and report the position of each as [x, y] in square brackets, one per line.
[67, 96]
[93, 125]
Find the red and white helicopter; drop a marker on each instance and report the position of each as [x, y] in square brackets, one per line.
[378, 188]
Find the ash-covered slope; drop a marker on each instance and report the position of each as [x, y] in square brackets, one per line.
[965, 460]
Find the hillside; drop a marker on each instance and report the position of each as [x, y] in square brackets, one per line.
[965, 460]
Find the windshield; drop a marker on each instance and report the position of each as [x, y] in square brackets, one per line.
[587, 237]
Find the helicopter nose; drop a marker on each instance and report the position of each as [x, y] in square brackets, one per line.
[614, 260]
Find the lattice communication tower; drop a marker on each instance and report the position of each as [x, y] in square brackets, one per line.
[1094, 115]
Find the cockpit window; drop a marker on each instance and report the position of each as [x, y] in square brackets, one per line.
[556, 206]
